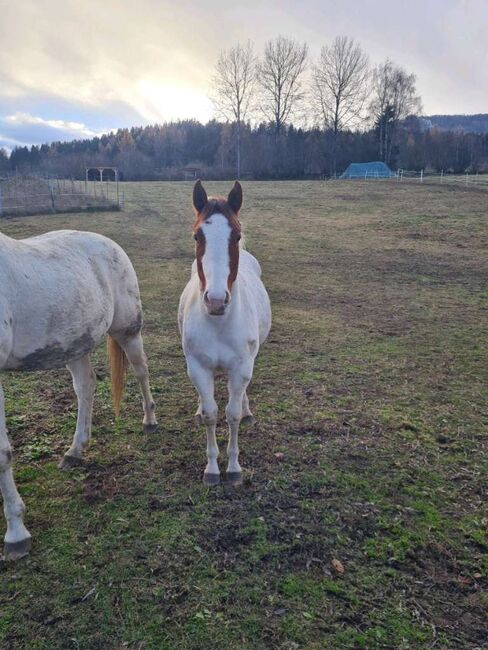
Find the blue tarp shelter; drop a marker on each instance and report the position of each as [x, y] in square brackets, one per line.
[375, 169]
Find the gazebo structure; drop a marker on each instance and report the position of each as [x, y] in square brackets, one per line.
[102, 171]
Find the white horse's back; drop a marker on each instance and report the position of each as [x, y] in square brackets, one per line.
[64, 291]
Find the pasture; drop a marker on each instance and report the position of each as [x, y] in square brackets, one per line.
[360, 523]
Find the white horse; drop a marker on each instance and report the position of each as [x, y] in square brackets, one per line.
[60, 294]
[224, 316]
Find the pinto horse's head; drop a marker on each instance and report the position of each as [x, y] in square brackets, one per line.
[217, 232]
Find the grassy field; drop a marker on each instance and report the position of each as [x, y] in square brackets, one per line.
[369, 531]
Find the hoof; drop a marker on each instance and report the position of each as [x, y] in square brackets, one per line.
[198, 420]
[211, 479]
[150, 428]
[234, 478]
[15, 550]
[248, 419]
[68, 462]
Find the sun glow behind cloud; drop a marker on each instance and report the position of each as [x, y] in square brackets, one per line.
[158, 102]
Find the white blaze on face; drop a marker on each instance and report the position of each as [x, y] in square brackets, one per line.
[215, 261]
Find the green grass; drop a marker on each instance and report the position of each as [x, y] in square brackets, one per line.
[373, 386]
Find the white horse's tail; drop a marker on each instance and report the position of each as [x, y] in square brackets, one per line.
[118, 370]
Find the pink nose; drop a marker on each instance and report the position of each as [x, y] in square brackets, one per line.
[216, 306]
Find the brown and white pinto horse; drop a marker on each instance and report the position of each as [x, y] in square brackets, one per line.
[224, 316]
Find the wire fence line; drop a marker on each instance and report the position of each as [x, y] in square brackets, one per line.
[442, 178]
[37, 194]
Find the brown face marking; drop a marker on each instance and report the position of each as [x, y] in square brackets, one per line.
[217, 205]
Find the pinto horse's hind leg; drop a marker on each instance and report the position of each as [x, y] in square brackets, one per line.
[134, 349]
[17, 537]
[84, 383]
[247, 416]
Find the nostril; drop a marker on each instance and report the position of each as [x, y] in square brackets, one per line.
[205, 296]
[227, 298]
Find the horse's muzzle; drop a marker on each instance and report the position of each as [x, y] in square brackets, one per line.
[216, 306]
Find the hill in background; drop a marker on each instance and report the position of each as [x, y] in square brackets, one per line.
[467, 123]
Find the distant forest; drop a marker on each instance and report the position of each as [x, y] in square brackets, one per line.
[360, 113]
[163, 151]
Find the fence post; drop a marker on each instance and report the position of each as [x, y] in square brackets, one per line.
[51, 191]
[421, 175]
[0, 202]
[442, 175]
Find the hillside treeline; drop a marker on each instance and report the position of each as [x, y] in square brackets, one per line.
[163, 151]
[477, 123]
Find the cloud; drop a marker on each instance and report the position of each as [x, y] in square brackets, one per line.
[23, 128]
[19, 120]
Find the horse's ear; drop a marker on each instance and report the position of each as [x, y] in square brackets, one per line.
[235, 197]
[199, 196]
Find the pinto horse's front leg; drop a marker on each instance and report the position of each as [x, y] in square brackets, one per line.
[239, 378]
[17, 537]
[203, 380]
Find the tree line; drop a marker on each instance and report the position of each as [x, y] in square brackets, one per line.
[279, 116]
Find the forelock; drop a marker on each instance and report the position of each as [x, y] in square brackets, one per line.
[218, 205]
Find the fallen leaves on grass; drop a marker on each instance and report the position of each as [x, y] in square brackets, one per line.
[337, 566]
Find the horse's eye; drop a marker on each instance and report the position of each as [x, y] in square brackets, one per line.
[238, 237]
[195, 237]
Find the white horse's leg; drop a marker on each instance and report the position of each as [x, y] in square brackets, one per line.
[134, 350]
[17, 537]
[239, 378]
[203, 380]
[84, 383]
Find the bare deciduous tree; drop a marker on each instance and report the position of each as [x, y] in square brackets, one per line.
[339, 86]
[280, 75]
[339, 83]
[394, 98]
[233, 83]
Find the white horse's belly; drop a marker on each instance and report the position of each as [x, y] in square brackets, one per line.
[56, 348]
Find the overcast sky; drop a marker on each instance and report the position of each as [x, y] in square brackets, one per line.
[75, 68]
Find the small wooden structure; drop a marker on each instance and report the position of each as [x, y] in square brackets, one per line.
[100, 169]
[191, 171]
